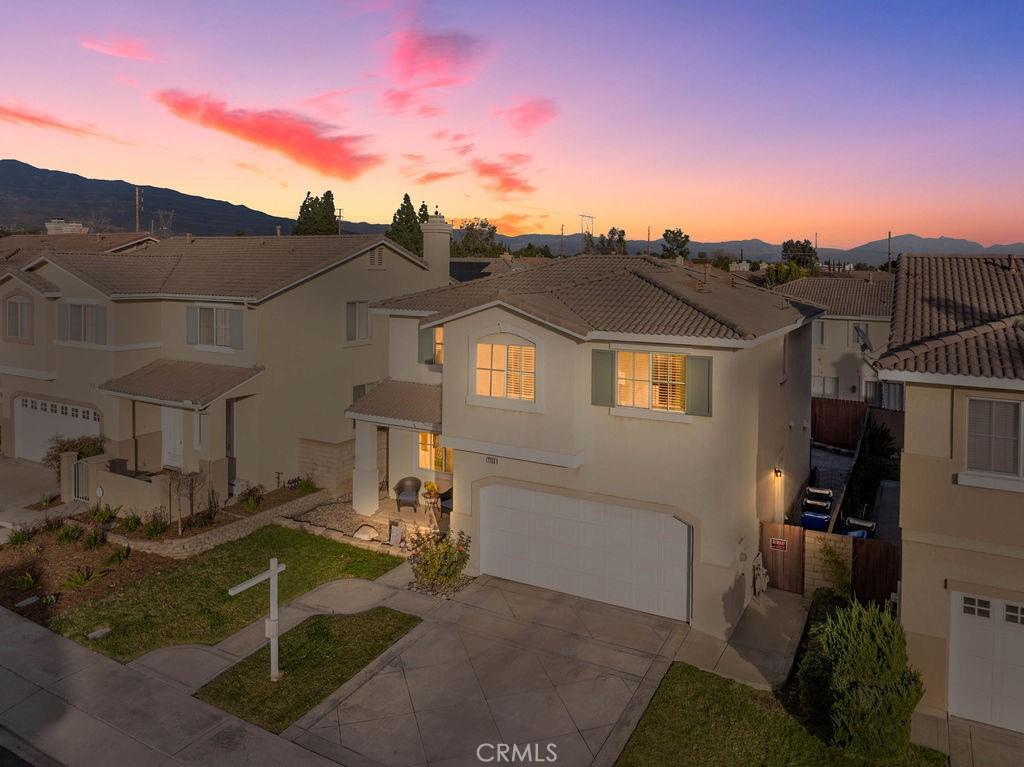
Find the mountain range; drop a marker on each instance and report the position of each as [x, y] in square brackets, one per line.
[30, 196]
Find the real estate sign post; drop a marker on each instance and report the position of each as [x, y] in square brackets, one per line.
[272, 630]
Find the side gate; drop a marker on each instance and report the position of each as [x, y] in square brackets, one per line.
[782, 550]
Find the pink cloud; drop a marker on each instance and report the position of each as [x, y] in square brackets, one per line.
[529, 114]
[440, 135]
[437, 175]
[304, 141]
[131, 82]
[463, 149]
[430, 110]
[444, 58]
[330, 102]
[399, 100]
[124, 48]
[503, 178]
[32, 119]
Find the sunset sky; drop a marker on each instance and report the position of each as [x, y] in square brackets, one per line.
[730, 120]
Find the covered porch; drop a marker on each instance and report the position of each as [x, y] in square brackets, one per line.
[410, 414]
[182, 419]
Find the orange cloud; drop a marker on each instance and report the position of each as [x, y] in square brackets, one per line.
[122, 49]
[298, 138]
[529, 114]
[503, 177]
[437, 175]
[518, 223]
[27, 117]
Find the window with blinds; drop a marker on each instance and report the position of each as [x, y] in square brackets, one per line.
[439, 345]
[19, 318]
[433, 457]
[993, 436]
[357, 321]
[507, 371]
[651, 380]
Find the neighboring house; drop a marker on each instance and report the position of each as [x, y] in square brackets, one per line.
[236, 356]
[17, 249]
[857, 311]
[60, 226]
[467, 269]
[957, 346]
[613, 427]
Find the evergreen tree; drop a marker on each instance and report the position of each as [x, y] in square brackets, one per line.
[424, 213]
[405, 227]
[316, 215]
[675, 244]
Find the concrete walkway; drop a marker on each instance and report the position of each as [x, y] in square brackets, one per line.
[968, 744]
[80, 708]
[762, 648]
[23, 483]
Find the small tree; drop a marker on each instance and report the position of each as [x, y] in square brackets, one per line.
[675, 243]
[802, 253]
[405, 226]
[423, 214]
[186, 484]
[316, 215]
[477, 237]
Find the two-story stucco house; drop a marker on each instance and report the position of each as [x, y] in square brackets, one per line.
[612, 427]
[858, 307]
[957, 346]
[234, 356]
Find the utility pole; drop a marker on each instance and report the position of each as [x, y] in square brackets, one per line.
[648, 240]
[888, 261]
[561, 242]
[340, 212]
[137, 209]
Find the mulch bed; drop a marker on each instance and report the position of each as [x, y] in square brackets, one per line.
[45, 504]
[51, 563]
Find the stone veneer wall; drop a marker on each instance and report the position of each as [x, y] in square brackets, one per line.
[182, 548]
[330, 464]
[816, 574]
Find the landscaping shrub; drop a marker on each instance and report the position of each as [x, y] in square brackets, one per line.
[307, 485]
[52, 524]
[438, 563]
[856, 678]
[86, 447]
[827, 602]
[24, 582]
[207, 516]
[156, 526]
[120, 555]
[49, 599]
[19, 536]
[69, 533]
[103, 514]
[129, 523]
[94, 539]
[82, 576]
[251, 498]
[839, 571]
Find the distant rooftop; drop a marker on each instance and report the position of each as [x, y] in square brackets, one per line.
[847, 294]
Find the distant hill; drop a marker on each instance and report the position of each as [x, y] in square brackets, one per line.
[29, 196]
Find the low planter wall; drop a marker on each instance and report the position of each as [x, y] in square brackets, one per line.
[337, 535]
[182, 548]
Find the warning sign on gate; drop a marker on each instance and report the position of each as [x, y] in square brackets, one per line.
[779, 544]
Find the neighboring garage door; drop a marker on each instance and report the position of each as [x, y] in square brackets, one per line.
[986, 661]
[36, 421]
[628, 557]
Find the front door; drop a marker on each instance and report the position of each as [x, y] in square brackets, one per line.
[172, 427]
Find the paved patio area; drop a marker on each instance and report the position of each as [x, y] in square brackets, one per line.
[501, 663]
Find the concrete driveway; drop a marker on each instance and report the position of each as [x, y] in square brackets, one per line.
[22, 482]
[503, 663]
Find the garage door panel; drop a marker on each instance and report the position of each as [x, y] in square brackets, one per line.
[37, 421]
[605, 552]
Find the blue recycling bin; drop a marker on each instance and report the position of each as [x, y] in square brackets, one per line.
[815, 520]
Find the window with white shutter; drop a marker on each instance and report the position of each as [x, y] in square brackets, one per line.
[993, 436]
[357, 321]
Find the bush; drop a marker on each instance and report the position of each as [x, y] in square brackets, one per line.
[86, 447]
[69, 533]
[306, 485]
[129, 523]
[839, 572]
[251, 498]
[94, 539]
[103, 514]
[24, 582]
[855, 677]
[52, 524]
[827, 602]
[82, 576]
[438, 563]
[156, 526]
[19, 536]
[120, 555]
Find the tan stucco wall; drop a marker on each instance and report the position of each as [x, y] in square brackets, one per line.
[716, 472]
[403, 353]
[951, 532]
[841, 357]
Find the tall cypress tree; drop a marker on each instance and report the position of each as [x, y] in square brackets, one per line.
[405, 227]
[316, 215]
[424, 213]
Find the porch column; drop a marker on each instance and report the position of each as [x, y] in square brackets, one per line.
[364, 475]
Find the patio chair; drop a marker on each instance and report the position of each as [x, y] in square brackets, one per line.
[407, 493]
[446, 501]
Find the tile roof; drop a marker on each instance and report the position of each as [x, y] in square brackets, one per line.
[31, 279]
[244, 268]
[417, 404]
[620, 294]
[92, 243]
[958, 315]
[194, 384]
[861, 296]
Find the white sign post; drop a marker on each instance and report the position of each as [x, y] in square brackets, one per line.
[271, 624]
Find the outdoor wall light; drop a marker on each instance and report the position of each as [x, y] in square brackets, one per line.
[778, 472]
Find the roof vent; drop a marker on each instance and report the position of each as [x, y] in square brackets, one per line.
[1011, 262]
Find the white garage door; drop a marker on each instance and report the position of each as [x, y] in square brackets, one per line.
[986, 660]
[36, 421]
[627, 557]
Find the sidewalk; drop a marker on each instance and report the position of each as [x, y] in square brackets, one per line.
[81, 708]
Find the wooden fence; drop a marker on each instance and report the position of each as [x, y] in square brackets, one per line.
[876, 570]
[837, 422]
[782, 550]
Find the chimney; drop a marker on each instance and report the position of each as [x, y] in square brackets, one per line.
[278, 228]
[188, 238]
[437, 247]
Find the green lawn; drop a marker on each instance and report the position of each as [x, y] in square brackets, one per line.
[697, 718]
[317, 657]
[189, 602]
